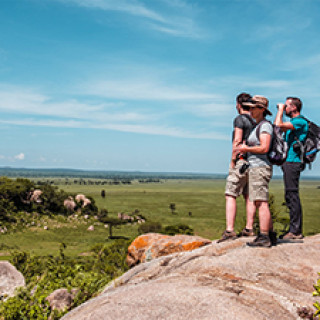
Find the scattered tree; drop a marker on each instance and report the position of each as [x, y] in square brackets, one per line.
[172, 208]
[112, 222]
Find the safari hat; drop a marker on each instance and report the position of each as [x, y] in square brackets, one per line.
[259, 101]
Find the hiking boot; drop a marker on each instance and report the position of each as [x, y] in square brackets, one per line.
[292, 236]
[246, 233]
[262, 240]
[273, 238]
[227, 235]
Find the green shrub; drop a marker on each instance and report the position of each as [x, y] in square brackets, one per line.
[18, 211]
[45, 274]
[317, 293]
[178, 229]
[150, 226]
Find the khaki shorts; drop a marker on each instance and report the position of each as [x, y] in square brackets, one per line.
[259, 179]
[237, 183]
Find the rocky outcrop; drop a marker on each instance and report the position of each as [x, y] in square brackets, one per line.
[10, 279]
[80, 200]
[83, 200]
[218, 281]
[153, 245]
[69, 204]
[36, 196]
[61, 299]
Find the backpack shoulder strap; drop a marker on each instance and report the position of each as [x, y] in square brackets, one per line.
[259, 127]
[298, 142]
[304, 118]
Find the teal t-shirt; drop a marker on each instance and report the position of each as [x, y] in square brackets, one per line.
[301, 128]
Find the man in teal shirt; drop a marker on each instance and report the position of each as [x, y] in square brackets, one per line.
[295, 130]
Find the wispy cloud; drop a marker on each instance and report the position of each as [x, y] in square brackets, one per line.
[26, 101]
[36, 109]
[136, 89]
[133, 128]
[211, 110]
[309, 63]
[175, 23]
[19, 156]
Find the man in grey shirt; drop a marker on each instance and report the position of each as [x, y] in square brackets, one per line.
[237, 181]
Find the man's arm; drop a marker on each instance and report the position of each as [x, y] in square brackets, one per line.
[238, 133]
[279, 121]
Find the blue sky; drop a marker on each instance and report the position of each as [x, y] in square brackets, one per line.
[146, 85]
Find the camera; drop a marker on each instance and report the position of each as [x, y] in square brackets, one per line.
[283, 108]
[244, 167]
[296, 148]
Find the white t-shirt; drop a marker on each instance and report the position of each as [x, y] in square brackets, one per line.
[259, 160]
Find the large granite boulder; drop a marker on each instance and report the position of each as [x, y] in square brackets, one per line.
[152, 245]
[10, 279]
[219, 281]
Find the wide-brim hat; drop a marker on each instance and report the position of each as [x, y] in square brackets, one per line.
[258, 101]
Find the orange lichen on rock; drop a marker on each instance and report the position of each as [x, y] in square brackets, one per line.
[152, 245]
[192, 245]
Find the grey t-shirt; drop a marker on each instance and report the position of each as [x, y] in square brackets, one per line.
[259, 160]
[244, 122]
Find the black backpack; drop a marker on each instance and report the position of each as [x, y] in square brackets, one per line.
[278, 150]
[311, 145]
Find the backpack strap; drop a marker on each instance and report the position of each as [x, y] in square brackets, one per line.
[301, 145]
[259, 128]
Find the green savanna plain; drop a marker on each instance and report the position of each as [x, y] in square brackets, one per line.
[199, 204]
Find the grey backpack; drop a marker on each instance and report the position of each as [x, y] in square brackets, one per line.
[277, 153]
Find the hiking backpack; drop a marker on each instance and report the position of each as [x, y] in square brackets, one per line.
[278, 150]
[311, 145]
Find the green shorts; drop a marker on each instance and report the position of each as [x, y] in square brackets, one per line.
[259, 178]
[237, 183]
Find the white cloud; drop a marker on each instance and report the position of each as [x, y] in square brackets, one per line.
[307, 63]
[19, 156]
[213, 109]
[26, 101]
[133, 128]
[136, 89]
[252, 81]
[26, 106]
[173, 23]
[131, 7]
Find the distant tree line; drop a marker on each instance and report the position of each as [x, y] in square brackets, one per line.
[71, 173]
[89, 182]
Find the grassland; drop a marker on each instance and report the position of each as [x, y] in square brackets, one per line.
[204, 199]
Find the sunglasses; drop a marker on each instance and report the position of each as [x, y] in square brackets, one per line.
[258, 107]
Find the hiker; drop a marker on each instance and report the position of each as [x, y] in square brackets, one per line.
[260, 169]
[294, 130]
[237, 180]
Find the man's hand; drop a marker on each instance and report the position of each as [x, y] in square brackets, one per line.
[281, 106]
[241, 148]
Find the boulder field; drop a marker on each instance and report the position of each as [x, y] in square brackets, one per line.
[224, 281]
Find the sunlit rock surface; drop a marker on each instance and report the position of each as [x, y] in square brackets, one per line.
[218, 281]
